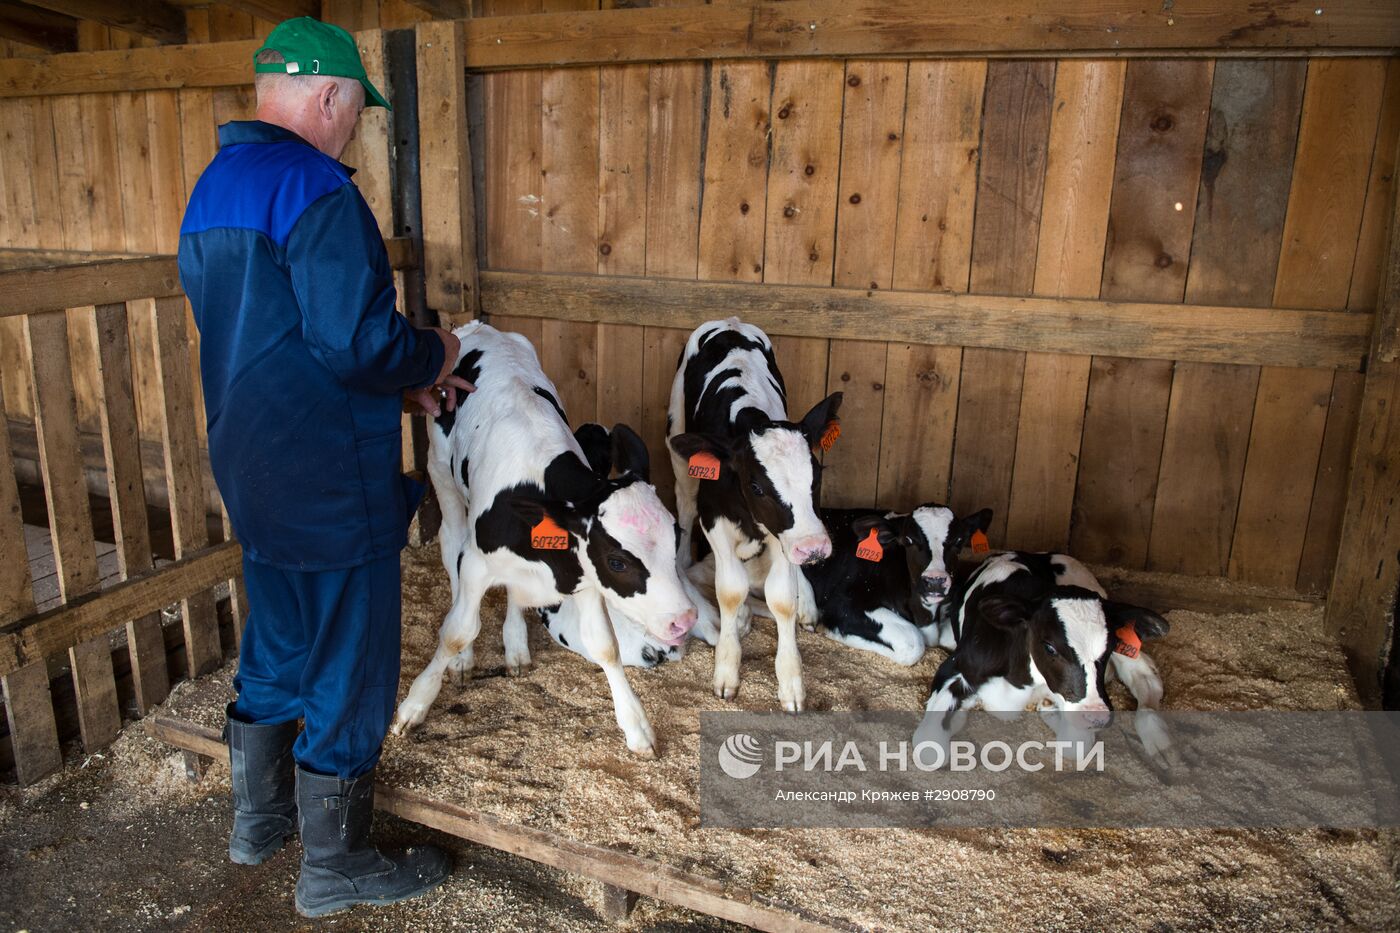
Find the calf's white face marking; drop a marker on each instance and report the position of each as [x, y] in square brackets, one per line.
[635, 518]
[784, 455]
[1086, 630]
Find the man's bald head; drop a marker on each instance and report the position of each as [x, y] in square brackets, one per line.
[321, 109]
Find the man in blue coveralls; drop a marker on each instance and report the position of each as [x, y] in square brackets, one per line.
[306, 365]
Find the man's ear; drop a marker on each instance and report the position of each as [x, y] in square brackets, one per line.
[327, 99]
[964, 527]
[883, 532]
[1005, 612]
[597, 448]
[823, 414]
[688, 445]
[1145, 622]
[629, 453]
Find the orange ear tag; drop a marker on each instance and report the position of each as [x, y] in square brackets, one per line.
[703, 465]
[980, 544]
[1128, 642]
[829, 436]
[870, 549]
[548, 536]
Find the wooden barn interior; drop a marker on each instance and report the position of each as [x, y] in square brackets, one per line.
[1127, 274]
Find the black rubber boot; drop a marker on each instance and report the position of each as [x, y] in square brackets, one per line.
[264, 788]
[339, 867]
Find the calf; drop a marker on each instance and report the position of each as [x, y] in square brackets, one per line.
[751, 477]
[1038, 629]
[888, 577]
[522, 508]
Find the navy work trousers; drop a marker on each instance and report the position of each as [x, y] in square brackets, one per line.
[324, 647]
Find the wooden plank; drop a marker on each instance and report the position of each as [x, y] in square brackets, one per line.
[41, 29]
[609, 866]
[1015, 129]
[872, 136]
[1207, 333]
[1069, 263]
[1248, 160]
[736, 172]
[914, 29]
[183, 476]
[16, 596]
[127, 493]
[623, 97]
[219, 64]
[933, 251]
[153, 18]
[1322, 539]
[33, 732]
[95, 689]
[60, 456]
[35, 637]
[801, 222]
[568, 236]
[276, 10]
[444, 9]
[444, 151]
[32, 290]
[1336, 139]
[1156, 179]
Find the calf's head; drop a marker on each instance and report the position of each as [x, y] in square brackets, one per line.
[931, 538]
[1070, 633]
[776, 471]
[624, 538]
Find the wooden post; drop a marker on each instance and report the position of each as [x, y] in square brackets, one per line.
[183, 476]
[121, 444]
[449, 212]
[1361, 603]
[617, 903]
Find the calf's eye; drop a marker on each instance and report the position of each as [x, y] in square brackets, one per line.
[1049, 649]
[757, 490]
[616, 565]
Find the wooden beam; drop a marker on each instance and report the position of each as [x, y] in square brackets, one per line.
[42, 29]
[37, 637]
[444, 9]
[610, 866]
[1361, 603]
[28, 291]
[153, 18]
[444, 151]
[1269, 336]
[274, 11]
[215, 64]
[922, 29]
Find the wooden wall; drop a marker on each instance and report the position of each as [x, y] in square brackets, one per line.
[1239, 182]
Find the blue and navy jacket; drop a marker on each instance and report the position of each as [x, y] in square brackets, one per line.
[303, 356]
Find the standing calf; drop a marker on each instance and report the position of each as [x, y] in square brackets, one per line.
[522, 508]
[751, 477]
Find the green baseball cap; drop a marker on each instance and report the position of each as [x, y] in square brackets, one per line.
[311, 47]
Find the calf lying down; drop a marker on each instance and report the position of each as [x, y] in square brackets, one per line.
[523, 508]
[1037, 630]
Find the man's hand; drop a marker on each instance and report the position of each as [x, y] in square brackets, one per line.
[431, 400]
[443, 391]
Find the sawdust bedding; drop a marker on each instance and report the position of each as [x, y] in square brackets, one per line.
[544, 750]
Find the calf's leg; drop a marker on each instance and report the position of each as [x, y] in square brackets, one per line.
[598, 638]
[459, 631]
[780, 591]
[516, 637]
[1140, 676]
[731, 589]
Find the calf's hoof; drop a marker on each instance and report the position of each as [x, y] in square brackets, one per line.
[519, 668]
[408, 715]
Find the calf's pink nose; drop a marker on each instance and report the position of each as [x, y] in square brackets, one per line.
[681, 624]
[810, 550]
[1096, 717]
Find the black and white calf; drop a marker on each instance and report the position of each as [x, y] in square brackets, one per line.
[888, 577]
[1035, 629]
[751, 477]
[522, 508]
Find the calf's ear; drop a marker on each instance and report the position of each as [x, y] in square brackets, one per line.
[815, 423]
[1005, 612]
[533, 511]
[1145, 622]
[629, 453]
[964, 527]
[597, 447]
[883, 532]
[688, 445]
